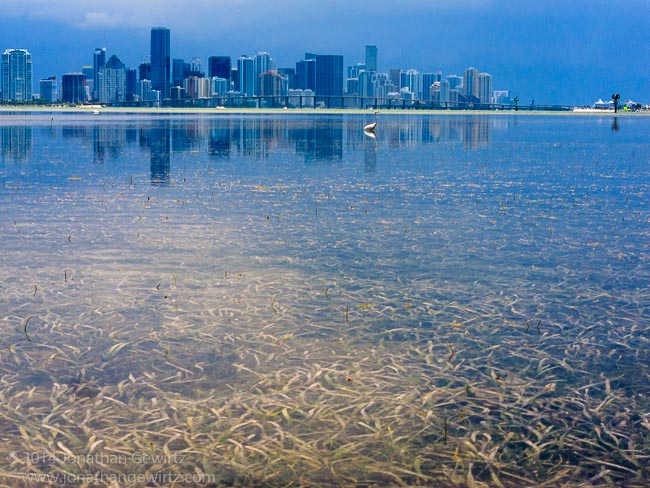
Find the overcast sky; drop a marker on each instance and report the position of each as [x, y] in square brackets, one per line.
[552, 51]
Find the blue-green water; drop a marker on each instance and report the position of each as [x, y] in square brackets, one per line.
[284, 300]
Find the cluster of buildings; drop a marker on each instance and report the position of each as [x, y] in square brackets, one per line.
[316, 80]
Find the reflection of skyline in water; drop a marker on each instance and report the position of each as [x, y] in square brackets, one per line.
[157, 139]
[16, 143]
[314, 138]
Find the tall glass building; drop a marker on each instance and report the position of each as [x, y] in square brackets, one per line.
[16, 75]
[73, 88]
[160, 61]
[485, 87]
[219, 66]
[48, 89]
[470, 83]
[329, 74]
[371, 58]
[263, 64]
[246, 70]
[99, 60]
[112, 81]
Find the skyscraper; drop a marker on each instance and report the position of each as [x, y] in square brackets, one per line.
[329, 74]
[160, 60]
[179, 73]
[263, 64]
[470, 84]
[219, 66]
[73, 88]
[429, 79]
[48, 89]
[371, 58]
[112, 81]
[485, 87]
[306, 74]
[246, 70]
[17, 75]
[411, 79]
[99, 60]
[131, 84]
[144, 71]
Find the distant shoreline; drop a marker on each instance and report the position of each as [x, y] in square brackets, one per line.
[89, 110]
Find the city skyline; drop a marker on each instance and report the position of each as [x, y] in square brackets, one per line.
[316, 80]
[552, 53]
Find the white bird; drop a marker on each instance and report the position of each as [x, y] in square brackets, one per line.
[370, 127]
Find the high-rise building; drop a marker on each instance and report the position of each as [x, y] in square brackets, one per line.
[196, 67]
[144, 71]
[367, 83]
[306, 74]
[112, 81]
[48, 89]
[502, 96]
[219, 66]
[263, 64]
[428, 79]
[410, 79]
[99, 60]
[371, 58]
[220, 86]
[455, 82]
[395, 76]
[160, 61]
[290, 74]
[17, 75]
[470, 84]
[131, 84]
[329, 74]
[73, 88]
[246, 70]
[485, 88]
[273, 84]
[444, 91]
[179, 73]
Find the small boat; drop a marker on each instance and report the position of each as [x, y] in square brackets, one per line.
[370, 127]
[95, 112]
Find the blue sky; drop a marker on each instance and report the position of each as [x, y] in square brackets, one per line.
[552, 51]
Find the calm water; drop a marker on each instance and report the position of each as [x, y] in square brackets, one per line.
[283, 300]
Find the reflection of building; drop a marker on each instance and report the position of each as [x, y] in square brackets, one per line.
[158, 139]
[73, 88]
[319, 142]
[16, 142]
[219, 140]
[108, 140]
[16, 75]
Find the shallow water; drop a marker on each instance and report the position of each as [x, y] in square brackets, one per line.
[284, 300]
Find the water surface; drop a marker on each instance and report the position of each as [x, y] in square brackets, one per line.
[273, 300]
